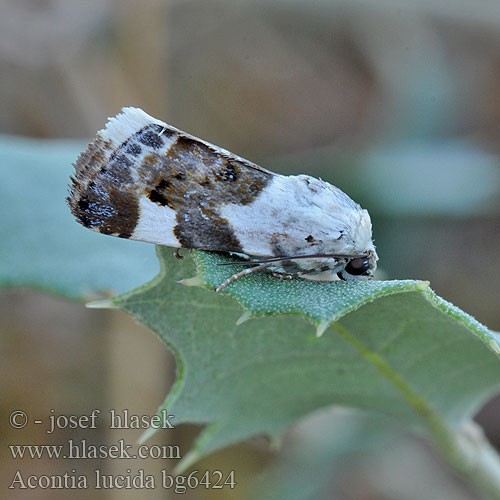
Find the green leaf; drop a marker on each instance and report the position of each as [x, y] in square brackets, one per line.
[42, 244]
[394, 347]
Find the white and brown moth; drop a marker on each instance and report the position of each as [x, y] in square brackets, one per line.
[145, 180]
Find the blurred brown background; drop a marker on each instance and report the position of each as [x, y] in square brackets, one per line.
[396, 102]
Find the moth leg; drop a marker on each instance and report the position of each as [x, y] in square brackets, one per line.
[246, 271]
[177, 254]
[285, 276]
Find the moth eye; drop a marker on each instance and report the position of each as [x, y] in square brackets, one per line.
[358, 266]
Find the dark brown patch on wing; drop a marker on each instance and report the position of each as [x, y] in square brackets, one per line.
[228, 174]
[195, 174]
[310, 239]
[195, 180]
[156, 195]
[192, 231]
[110, 211]
[95, 198]
[153, 136]
[103, 194]
[133, 149]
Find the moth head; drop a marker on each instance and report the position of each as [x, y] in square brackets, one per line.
[364, 261]
[359, 267]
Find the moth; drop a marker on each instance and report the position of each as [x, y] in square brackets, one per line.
[145, 180]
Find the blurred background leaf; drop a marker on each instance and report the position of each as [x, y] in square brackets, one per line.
[42, 246]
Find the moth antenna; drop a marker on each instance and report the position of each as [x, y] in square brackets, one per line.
[234, 277]
[292, 257]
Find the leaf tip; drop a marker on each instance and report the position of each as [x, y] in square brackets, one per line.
[275, 443]
[194, 281]
[189, 459]
[321, 327]
[494, 342]
[146, 435]
[101, 304]
[423, 285]
[244, 317]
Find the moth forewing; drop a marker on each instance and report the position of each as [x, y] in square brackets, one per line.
[143, 179]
